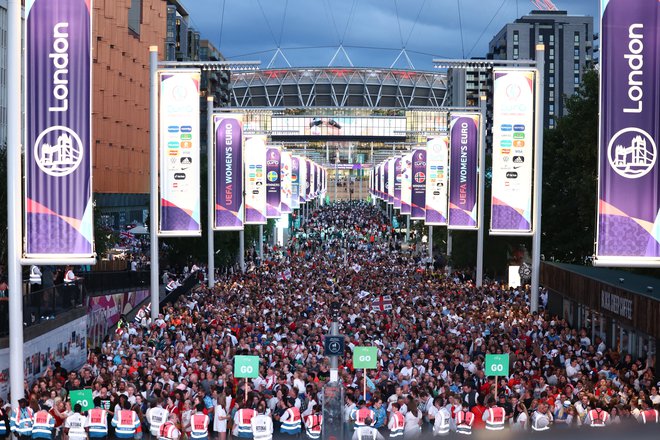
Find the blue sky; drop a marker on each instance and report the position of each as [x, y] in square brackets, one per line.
[372, 32]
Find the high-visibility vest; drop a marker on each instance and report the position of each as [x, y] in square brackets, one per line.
[650, 416]
[396, 425]
[199, 423]
[598, 418]
[3, 425]
[262, 427]
[313, 425]
[244, 422]
[126, 423]
[540, 422]
[361, 415]
[366, 433]
[464, 420]
[76, 425]
[442, 422]
[292, 424]
[495, 420]
[156, 416]
[168, 431]
[42, 425]
[97, 422]
[21, 421]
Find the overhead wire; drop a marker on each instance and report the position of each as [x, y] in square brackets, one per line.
[270, 29]
[419, 13]
[348, 21]
[286, 6]
[460, 25]
[222, 22]
[486, 27]
[398, 21]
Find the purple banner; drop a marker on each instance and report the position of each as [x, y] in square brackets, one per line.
[58, 165]
[463, 167]
[628, 229]
[273, 182]
[295, 182]
[308, 180]
[397, 183]
[228, 173]
[386, 180]
[418, 195]
[406, 184]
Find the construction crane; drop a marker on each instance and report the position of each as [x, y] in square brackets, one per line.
[544, 5]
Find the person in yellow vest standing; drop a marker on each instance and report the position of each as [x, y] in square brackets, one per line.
[43, 425]
[126, 422]
[314, 423]
[199, 424]
[168, 430]
[74, 425]
[494, 416]
[96, 423]
[262, 424]
[397, 421]
[464, 421]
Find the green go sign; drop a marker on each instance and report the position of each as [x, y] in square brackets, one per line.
[497, 365]
[246, 366]
[365, 358]
[83, 397]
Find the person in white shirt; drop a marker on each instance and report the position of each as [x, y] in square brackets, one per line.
[440, 417]
[220, 419]
[262, 425]
[74, 425]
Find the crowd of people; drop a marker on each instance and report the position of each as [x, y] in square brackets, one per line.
[173, 377]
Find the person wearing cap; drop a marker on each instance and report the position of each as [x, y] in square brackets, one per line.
[367, 431]
[74, 425]
[43, 425]
[21, 420]
[262, 424]
[562, 416]
[494, 416]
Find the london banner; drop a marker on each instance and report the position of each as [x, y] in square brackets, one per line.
[179, 154]
[437, 152]
[255, 180]
[228, 172]
[58, 163]
[418, 185]
[273, 183]
[628, 224]
[513, 152]
[463, 171]
[287, 184]
[295, 182]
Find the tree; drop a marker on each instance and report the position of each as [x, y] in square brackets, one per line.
[570, 164]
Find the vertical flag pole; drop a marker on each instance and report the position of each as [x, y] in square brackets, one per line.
[241, 250]
[261, 244]
[210, 266]
[365, 384]
[482, 186]
[538, 178]
[153, 178]
[14, 210]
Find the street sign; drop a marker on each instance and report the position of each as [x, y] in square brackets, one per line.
[334, 345]
[497, 365]
[83, 397]
[365, 358]
[246, 366]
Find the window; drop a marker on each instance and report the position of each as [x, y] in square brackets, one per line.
[516, 36]
[551, 95]
[551, 109]
[551, 67]
[515, 53]
[135, 16]
[576, 52]
[576, 67]
[552, 38]
[551, 123]
[540, 38]
[551, 52]
[576, 79]
[576, 37]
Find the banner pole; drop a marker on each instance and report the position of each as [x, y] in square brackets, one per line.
[153, 178]
[14, 202]
[365, 384]
[538, 179]
[482, 187]
[246, 389]
[261, 244]
[241, 250]
[210, 265]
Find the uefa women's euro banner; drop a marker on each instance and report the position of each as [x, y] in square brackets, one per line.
[437, 150]
[255, 180]
[418, 185]
[228, 172]
[628, 224]
[295, 182]
[513, 152]
[179, 154]
[58, 163]
[287, 184]
[463, 171]
[406, 184]
[273, 182]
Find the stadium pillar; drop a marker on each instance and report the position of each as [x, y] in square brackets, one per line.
[431, 243]
[538, 179]
[153, 177]
[14, 211]
[450, 240]
[261, 244]
[482, 187]
[210, 266]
